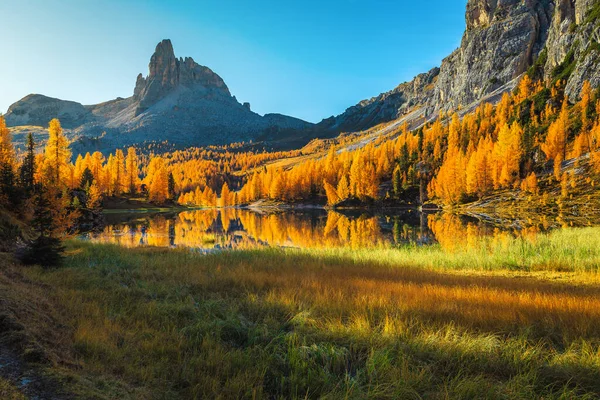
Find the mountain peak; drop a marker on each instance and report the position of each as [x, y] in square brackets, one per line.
[163, 60]
[165, 47]
[166, 73]
[480, 13]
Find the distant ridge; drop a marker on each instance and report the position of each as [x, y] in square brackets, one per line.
[180, 101]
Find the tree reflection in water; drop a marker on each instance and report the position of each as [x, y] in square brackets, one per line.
[232, 228]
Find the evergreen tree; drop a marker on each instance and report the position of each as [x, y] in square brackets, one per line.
[27, 171]
[86, 178]
[171, 186]
[397, 181]
[46, 250]
[7, 166]
[404, 160]
[8, 189]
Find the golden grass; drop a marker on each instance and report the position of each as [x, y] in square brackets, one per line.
[333, 323]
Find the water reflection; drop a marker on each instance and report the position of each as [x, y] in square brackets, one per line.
[236, 229]
[454, 233]
[242, 229]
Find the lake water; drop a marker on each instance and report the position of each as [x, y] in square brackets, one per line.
[243, 229]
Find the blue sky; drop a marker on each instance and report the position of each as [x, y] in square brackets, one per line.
[309, 59]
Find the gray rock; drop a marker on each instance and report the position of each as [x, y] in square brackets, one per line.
[38, 110]
[167, 73]
[575, 33]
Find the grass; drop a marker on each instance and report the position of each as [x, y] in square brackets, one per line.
[593, 15]
[564, 70]
[10, 392]
[518, 318]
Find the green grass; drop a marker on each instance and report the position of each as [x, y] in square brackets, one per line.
[593, 15]
[512, 318]
[564, 70]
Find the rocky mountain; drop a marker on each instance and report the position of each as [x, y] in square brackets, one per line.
[557, 39]
[188, 104]
[180, 101]
[36, 108]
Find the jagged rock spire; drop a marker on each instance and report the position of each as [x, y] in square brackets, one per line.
[166, 73]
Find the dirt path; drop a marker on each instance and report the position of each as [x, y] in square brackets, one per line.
[28, 380]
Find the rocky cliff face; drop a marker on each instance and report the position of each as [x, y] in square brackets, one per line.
[180, 101]
[573, 49]
[502, 40]
[167, 73]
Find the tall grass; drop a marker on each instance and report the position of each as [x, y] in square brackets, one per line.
[372, 323]
[566, 250]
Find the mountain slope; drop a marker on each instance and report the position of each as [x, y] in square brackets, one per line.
[503, 40]
[180, 101]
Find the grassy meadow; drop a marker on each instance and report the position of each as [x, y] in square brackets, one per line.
[517, 318]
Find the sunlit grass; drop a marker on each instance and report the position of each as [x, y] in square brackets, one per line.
[568, 250]
[412, 322]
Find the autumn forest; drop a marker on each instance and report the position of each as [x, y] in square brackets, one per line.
[453, 159]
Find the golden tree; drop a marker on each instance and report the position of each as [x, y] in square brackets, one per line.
[478, 174]
[132, 170]
[158, 176]
[118, 172]
[276, 191]
[331, 193]
[7, 152]
[524, 89]
[507, 154]
[530, 184]
[450, 184]
[225, 199]
[556, 140]
[57, 154]
[343, 188]
[94, 196]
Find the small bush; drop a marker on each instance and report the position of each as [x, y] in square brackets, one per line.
[536, 71]
[45, 251]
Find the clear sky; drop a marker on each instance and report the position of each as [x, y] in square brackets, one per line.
[310, 59]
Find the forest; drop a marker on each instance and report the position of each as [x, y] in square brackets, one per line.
[453, 160]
